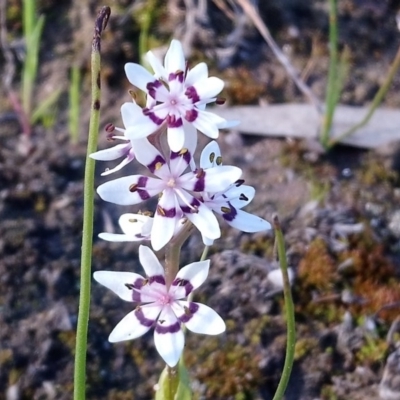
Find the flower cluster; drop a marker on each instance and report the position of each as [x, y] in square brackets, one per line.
[162, 136]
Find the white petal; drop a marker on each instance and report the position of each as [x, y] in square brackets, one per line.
[174, 59]
[130, 327]
[112, 153]
[150, 262]
[146, 153]
[246, 222]
[205, 320]
[116, 281]
[198, 73]
[209, 155]
[240, 196]
[176, 138]
[117, 191]
[121, 165]
[164, 225]
[196, 273]
[205, 221]
[131, 114]
[207, 241]
[132, 224]
[143, 128]
[138, 76]
[209, 87]
[159, 70]
[118, 237]
[169, 344]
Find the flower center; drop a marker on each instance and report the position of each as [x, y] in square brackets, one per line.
[165, 299]
[171, 183]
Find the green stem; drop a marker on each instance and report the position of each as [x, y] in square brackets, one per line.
[331, 92]
[87, 234]
[375, 102]
[289, 310]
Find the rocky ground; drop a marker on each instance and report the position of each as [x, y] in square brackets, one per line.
[339, 212]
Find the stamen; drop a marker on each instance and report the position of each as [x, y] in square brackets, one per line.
[200, 173]
[219, 160]
[212, 157]
[225, 210]
[220, 100]
[160, 210]
[158, 166]
[109, 128]
[243, 197]
[129, 286]
[187, 310]
[183, 151]
[132, 220]
[133, 188]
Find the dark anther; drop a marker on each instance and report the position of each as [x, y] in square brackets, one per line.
[200, 173]
[212, 157]
[239, 182]
[109, 128]
[129, 286]
[243, 197]
[220, 100]
[219, 160]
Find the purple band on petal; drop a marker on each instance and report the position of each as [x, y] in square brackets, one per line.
[189, 311]
[194, 204]
[176, 327]
[191, 93]
[149, 113]
[171, 213]
[200, 183]
[178, 76]
[174, 122]
[185, 153]
[152, 88]
[184, 283]
[156, 163]
[231, 215]
[142, 319]
[142, 182]
[191, 115]
[157, 279]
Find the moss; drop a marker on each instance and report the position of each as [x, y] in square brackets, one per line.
[372, 352]
[304, 346]
[317, 270]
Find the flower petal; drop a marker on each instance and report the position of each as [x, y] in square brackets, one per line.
[246, 222]
[209, 88]
[165, 220]
[130, 157]
[198, 73]
[211, 156]
[150, 262]
[138, 76]
[129, 189]
[200, 318]
[240, 196]
[174, 58]
[159, 70]
[176, 137]
[117, 281]
[196, 273]
[112, 153]
[120, 237]
[131, 114]
[135, 324]
[168, 337]
[134, 224]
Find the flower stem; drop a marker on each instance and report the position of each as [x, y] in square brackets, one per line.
[331, 93]
[289, 308]
[87, 235]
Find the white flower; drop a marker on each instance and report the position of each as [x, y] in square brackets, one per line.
[135, 227]
[175, 188]
[228, 201]
[131, 116]
[176, 99]
[161, 306]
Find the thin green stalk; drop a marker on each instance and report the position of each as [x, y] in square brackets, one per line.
[87, 234]
[289, 310]
[375, 102]
[32, 27]
[331, 92]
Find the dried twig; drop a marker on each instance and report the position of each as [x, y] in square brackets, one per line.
[251, 11]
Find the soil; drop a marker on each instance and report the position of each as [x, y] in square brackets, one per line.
[339, 212]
